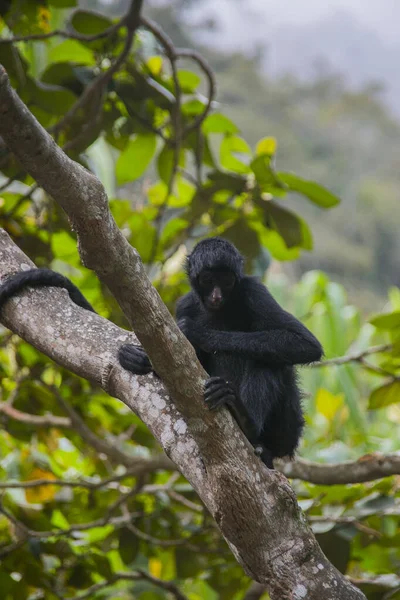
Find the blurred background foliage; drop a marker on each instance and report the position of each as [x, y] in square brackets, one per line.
[175, 172]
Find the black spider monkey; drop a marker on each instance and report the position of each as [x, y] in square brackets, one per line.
[245, 341]
[247, 344]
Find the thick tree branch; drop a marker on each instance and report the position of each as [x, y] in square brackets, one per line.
[255, 508]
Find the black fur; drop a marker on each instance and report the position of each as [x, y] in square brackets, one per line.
[131, 356]
[250, 344]
[39, 278]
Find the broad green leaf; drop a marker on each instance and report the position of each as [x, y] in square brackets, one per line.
[235, 184]
[328, 404]
[385, 395]
[89, 23]
[286, 223]
[54, 99]
[188, 81]
[154, 64]
[63, 3]
[266, 176]
[71, 51]
[63, 246]
[158, 193]
[218, 123]
[165, 162]
[230, 146]
[128, 545]
[136, 157]
[274, 242]
[193, 108]
[184, 193]
[267, 146]
[389, 321]
[313, 191]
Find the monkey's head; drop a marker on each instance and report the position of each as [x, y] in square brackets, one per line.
[214, 268]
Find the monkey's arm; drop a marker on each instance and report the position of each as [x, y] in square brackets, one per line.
[278, 338]
[277, 347]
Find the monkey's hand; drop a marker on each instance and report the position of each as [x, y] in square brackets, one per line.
[134, 359]
[218, 392]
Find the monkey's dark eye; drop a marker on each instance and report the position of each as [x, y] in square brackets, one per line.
[205, 279]
[228, 280]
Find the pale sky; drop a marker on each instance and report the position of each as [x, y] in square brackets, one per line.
[244, 21]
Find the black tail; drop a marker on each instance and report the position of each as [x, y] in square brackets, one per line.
[41, 278]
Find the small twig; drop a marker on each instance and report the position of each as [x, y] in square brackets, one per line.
[206, 69]
[347, 521]
[357, 356]
[37, 421]
[134, 576]
[81, 37]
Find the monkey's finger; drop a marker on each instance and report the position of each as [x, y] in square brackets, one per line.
[213, 380]
[218, 402]
[215, 391]
[210, 389]
[216, 394]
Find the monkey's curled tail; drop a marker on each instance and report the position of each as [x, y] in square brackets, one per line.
[41, 278]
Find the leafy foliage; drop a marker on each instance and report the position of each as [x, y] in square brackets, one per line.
[186, 172]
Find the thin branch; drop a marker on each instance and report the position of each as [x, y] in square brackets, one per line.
[168, 586]
[366, 468]
[37, 421]
[354, 357]
[206, 69]
[80, 37]
[141, 467]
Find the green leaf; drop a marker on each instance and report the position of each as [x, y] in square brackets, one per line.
[193, 108]
[235, 184]
[165, 162]
[157, 193]
[286, 223]
[266, 176]
[171, 230]
[218, 123]
[385, 395]
[313, 191]
[71, 51]
[136, 157]
[188, 81]
[266, 146]
[388, 321]
[52, 98]
[63, 3]
[128, 545]
[231, 145]
[89, 23]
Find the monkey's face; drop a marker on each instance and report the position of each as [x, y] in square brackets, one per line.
[215, 287]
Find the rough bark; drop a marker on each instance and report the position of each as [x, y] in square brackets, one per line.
[255, 509]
